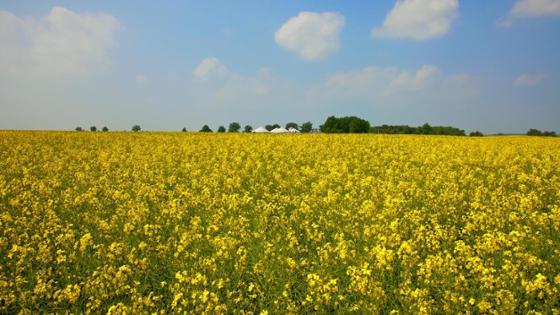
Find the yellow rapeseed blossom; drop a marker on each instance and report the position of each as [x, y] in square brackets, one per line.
[175, 223]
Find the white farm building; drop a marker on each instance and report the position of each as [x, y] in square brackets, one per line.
[261, 130]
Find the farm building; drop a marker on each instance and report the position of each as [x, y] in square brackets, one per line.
[260, 130]
[279, 130]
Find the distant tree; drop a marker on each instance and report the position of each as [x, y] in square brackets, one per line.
[292, 125]
[393, 129]
[222, 129]
[306, 127]
[476, 134]
[248, 128]
[350, 124]
[79, 128]
[105, 129]
[234, 127]
[425, 129]
[447, 131]
[93, 128]
[205, 128]
[358, 125]
[271, 127]
[184, 129]
[136, 128]
[330, 125]
[534, 132]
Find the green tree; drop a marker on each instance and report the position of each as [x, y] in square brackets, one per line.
[184, 129]
[105, 129]
[234, 127]
[425, 129]
[476, 134]
[333, 125]
[248, 128]
[534, 132]
[78, 128]
[222, 129]
[136, 128]
[93, 128]
[269, 127]
[393, 129]
[357, 125]
[205, 128]
[350, 124]
[447, 131]
[292, 125]
[306, 127]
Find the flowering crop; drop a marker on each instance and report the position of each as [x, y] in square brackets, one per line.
[257, 224]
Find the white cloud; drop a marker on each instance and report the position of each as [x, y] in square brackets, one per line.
[528, 79]
[530, 9]
[416, 80]
[312, 35]
[60, 44]
[372, 84]
[246, 97]
[210, 68]
[535, 8]
[226, 85]
[418, 19]
[382, 79]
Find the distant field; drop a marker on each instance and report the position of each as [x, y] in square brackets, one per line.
[244, 223]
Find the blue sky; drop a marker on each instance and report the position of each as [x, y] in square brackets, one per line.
[478, 65]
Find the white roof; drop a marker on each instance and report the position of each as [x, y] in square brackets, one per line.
[279, 130]
[294, 130]
[260, 130]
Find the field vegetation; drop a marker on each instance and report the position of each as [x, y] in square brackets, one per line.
[142, 222]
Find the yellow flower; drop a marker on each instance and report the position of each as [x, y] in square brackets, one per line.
[239, 223]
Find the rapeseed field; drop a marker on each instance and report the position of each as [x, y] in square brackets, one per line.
[143, 223]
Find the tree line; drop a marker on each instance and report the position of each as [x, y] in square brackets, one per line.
[425, 129]
[536, 132]
[92, 128]
[236, 127]
[233, 127]
[353, 124]
[349, 124]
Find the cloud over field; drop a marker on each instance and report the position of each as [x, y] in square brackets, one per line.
[528, 79]
[383, 86]
[313, 36]
[62, 43]
[214, 81]
[530, 9]
[210, 68]
[418, 19]
[374, 79]
[535, 8]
